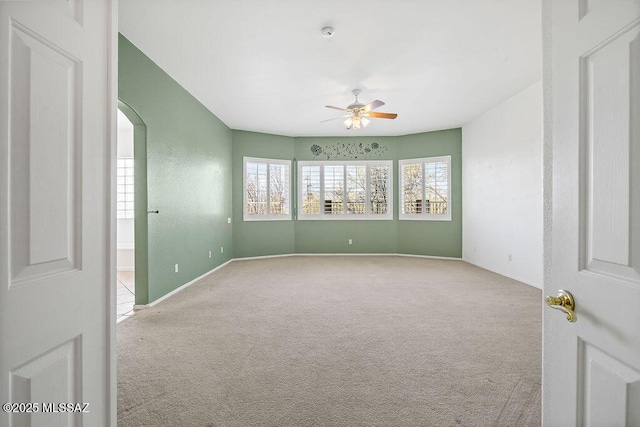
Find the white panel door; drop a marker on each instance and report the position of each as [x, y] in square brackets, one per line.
[56, 320]
[591, 368]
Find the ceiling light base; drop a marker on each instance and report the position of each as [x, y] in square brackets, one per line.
[327, 32]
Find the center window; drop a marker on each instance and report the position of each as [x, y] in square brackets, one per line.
[345, 190]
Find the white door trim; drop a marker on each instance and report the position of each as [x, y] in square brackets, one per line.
[112, 380]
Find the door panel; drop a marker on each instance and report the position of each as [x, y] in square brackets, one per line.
[616, 407]
[45, 95]
[56, 374]
[607, 72]
[590, 367]
[57, 318]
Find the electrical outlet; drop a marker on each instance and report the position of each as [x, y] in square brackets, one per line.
[228, 220]
[209, 254]
[509, 257]
[221, 249]
[351, 241]
[176, 268]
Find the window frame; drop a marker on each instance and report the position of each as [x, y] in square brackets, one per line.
[268, 163]
[125, 164]
[367, 216]
[423, 215]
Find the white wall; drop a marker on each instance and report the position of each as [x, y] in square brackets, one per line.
[502, 188]
[125, 255]
[125, 136]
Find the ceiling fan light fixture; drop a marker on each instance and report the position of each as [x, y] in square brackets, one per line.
[348, 123]
[357, 121]
[356, 124]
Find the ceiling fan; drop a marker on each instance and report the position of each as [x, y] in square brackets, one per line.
[359, 114]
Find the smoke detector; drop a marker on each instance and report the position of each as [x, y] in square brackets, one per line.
[327, 32]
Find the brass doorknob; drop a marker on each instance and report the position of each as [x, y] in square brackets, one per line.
[564, 302]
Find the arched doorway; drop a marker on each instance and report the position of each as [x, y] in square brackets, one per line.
[131, 189]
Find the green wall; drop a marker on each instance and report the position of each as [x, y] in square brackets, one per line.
[433, 238]
[188, 175]
[257, 238]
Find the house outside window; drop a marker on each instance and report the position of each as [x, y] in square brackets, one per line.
[425, 188]
[266, 189]
[345, 190]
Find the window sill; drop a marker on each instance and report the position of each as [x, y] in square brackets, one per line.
[345, 218]
[425, 218]
[286, 218]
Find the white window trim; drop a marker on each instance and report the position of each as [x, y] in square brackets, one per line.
[423, 216]
[321, 216]
[268, 217]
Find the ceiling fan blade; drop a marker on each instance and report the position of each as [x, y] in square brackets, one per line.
[336, 108]
[336, 118]
[382, 115]
[373, 105]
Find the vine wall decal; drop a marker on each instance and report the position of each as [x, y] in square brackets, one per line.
[350, 150]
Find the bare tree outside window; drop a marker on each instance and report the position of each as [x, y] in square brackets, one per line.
[355, 189]
[425, 188]
[266, 189]
[379, 190]
[278, 189]
[256, 188]
[333, 189]
[412, 188]
[310, 181]
[436, 187]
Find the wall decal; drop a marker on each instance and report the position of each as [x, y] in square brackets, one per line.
[349, 150]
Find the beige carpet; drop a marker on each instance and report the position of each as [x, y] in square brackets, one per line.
[336, 341]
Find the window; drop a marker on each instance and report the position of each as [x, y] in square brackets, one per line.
[266, 189]
[124, 192]
[425, 188]
[345, 190]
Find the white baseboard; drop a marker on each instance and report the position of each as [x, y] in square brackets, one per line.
[345, 254]
[175, 291]
[450, 258]
[261, 257]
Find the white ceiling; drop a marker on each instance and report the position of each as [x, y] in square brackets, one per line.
[264, 66]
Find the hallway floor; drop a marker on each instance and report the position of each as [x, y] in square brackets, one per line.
[125, 295]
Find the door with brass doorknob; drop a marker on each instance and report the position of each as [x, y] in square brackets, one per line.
[591, 335]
